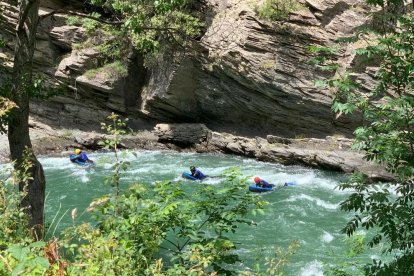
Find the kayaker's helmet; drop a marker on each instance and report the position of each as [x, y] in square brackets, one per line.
[77, 151]
[192, 168]
[257, 179]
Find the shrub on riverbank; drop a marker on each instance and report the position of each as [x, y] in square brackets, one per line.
[159, 229]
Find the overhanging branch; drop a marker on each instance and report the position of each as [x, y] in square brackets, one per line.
[116, 23]
[25, 14]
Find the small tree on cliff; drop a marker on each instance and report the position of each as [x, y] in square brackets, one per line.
[152, 27]
[387, 136]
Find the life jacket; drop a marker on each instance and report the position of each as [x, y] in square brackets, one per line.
[198, 174]
[265, 184]
[83, 157]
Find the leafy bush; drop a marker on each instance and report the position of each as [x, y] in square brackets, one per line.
[277, 9]
[386, 137]
[90, 25]
[113, 71]
[147, 229]
[20, 252]
[189, 230]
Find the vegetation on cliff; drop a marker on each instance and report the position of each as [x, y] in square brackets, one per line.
[277, 9]
[151, 27]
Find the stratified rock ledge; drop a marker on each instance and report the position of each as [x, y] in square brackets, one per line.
[332, 153]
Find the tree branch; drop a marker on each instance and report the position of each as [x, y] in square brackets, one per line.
[25, 14]
[116, 23]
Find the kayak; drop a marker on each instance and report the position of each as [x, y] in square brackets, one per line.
[72, 158]
[257, 189]
[187, 175]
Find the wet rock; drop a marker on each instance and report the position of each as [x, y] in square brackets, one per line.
[276, 139]
[183, 134]
[90, 140]
[317, 153]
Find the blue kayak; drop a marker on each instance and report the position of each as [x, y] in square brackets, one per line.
[187, 175]
[72, 158]
[257, 189]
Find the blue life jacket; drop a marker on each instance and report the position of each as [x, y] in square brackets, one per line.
[265, 184]
[82, 157]
[198, 174]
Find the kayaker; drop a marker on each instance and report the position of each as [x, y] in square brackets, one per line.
[82, 157]
[196, 173]
[262, 183]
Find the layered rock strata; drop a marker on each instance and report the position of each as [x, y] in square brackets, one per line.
[251, 76]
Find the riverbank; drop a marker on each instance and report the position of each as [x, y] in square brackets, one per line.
[332, 153]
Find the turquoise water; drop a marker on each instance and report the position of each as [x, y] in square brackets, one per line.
[307, 212]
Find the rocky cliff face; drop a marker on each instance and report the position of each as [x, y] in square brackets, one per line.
[252, 77]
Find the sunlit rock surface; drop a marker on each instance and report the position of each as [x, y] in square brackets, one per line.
[251, 77]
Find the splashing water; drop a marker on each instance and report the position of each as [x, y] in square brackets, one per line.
[308, 212]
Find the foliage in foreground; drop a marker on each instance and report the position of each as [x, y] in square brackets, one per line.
[163, 229]
[19, 250]
[348, 264]
[386, 137]
[154, 230]
[165, 220]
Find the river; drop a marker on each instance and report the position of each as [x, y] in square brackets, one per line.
[308, 212]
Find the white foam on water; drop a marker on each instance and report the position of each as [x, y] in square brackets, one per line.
[218, 171]
[179, 178]
[106, 166]
[56, 163]
[242, 251]
[327, 237]
[152, 157]
[80, 173]
[311, 179]
[140, 170]
[326, 184]
[212, 181]
[85, 179]
[304, 179]
[314, 268]
[318, 201]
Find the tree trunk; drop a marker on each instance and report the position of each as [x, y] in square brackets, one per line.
[18, 125]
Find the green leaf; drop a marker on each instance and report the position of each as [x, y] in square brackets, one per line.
[38, 244]
[19, 252]
[41, 262]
